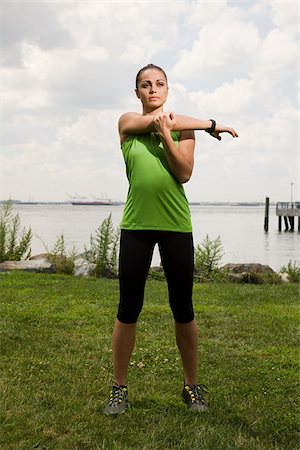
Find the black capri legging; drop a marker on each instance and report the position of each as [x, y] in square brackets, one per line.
[177, 256]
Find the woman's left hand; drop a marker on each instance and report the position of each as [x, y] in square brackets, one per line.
[164, 122]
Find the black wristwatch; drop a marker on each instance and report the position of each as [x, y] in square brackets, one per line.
[212, 128]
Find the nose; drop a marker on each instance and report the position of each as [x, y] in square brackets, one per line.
[152, 88]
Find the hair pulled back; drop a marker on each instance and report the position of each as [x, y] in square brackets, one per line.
[149, 66]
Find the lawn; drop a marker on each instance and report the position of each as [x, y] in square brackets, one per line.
[56, 370]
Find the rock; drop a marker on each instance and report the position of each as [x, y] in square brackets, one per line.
[83, 268]
[43, 256]
[284, 277]
[40, 266]
[248, 268]
[236, 277]
[46, 258]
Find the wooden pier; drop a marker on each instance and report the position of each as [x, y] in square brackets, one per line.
[289, 211]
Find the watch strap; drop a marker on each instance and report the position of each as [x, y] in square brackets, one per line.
[212, 128]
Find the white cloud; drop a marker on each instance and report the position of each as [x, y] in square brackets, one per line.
[226, 44]
[132, 31]
[278, 54]
[85, 156]
[200, 15]
[285, 15]
[228, 100]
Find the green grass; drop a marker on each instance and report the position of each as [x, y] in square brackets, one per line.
[56, 369]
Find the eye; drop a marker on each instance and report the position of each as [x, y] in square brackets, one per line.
[161, 83]
[144, 85]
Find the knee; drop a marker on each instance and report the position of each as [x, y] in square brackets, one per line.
[128, 315]
[183, 313]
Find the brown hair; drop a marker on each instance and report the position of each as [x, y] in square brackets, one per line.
[149, 66]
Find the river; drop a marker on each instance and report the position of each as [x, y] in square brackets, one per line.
[241, 230]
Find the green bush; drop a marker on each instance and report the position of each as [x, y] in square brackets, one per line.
[63, 261]
[14, 241]
[208, 255]
[155, 274]
[104, 249]
[293, 271]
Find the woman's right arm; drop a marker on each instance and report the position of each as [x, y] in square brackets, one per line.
[133, 123]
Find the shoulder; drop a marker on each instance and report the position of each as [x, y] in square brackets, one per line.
[128, 115]
[125, 121]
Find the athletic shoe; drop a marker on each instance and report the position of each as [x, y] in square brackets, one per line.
[118, 400]
[193, 396]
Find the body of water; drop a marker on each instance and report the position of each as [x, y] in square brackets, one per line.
[241, 229]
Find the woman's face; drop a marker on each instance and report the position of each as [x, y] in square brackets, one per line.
[152, 89]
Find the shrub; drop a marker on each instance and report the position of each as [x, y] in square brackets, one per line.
[14, 241]
[64, 262]
[293, 271]
[104, 249]
[156, 274]
[208, 255]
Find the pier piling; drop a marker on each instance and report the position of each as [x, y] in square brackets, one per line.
[289, 211]
[267, 205]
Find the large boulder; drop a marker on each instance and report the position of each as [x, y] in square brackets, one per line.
[250, 273]
[40, 266]
[237, 268]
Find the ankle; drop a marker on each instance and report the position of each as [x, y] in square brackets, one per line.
[119, 383]
[190, 382]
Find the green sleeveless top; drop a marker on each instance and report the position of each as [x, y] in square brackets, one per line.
[155, 200]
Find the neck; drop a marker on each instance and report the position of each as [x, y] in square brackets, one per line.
[151, 112]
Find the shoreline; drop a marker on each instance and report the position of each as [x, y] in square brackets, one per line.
[122, 203]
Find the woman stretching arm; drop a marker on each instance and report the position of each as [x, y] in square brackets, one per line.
[134, 123]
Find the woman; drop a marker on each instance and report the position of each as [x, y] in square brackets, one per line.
[158, 150]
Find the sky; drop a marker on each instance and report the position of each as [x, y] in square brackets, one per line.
[68, 72]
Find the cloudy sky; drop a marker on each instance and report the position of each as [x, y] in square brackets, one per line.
[68, 71]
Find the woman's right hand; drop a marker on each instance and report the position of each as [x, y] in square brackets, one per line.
[223, 129]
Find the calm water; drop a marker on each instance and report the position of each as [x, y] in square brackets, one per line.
[240, 228]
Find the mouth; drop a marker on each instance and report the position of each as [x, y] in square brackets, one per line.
[153, 98]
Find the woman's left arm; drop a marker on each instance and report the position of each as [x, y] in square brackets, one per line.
[181, 159]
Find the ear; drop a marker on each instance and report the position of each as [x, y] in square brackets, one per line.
[137, 93]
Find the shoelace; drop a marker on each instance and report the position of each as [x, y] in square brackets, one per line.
[197, 392]
[117, 395]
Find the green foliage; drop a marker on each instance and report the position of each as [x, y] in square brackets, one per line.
[155, 274]
[14, 241]
[104, 249]
[293, 271]
[64, 261]
[261, 278]
[208, 255]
